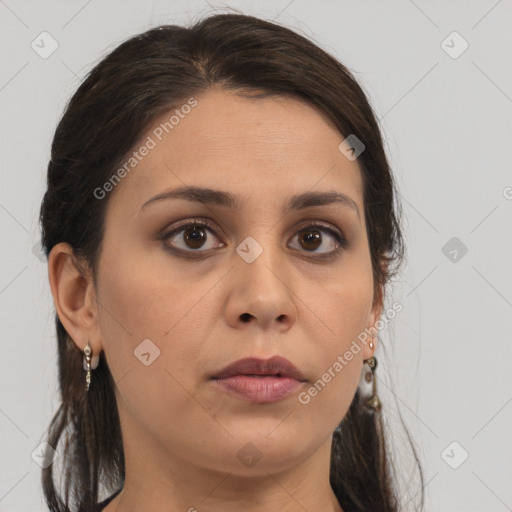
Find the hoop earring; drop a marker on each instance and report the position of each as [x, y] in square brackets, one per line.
[373, 402]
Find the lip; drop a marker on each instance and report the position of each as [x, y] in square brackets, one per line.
[260, 380]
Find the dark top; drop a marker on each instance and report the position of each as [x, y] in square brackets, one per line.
[103, 504]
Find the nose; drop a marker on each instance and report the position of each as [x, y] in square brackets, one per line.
[261, 293]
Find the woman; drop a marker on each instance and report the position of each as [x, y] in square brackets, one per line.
[220, 226]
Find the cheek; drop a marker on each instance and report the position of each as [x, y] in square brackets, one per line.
[341, 308]
[148, 321]
[143, 295]
[146, 330]
[341, 302]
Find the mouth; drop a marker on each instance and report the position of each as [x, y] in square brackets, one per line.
[259, 380]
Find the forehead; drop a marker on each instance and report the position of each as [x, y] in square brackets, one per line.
[270, 147]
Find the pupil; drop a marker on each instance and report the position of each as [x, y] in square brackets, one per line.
[312, 237]
[195, 237]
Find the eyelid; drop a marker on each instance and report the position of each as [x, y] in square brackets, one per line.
[187, 222]
[200, 221]
[312, 223]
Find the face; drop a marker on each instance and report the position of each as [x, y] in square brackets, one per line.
[189, 284]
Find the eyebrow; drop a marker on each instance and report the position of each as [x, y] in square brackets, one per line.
[228, 200]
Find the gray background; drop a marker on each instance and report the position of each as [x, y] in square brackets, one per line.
[447, 126]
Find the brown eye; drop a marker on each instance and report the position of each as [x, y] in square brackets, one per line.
[310, 239]
[321, 240]
[199, 237]
[192, 237]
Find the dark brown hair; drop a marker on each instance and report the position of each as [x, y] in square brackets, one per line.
[141, 79]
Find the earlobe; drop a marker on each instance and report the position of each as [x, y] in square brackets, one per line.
[73, 294]
[370, 347]
[377, 307]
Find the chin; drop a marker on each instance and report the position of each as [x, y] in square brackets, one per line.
[257, 455]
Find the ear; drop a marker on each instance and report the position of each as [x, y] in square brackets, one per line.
[74, 297]
[373, 318]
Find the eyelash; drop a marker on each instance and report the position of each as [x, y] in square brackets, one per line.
[342, 242]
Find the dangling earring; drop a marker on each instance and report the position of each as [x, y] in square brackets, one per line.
[373, 402]
[87, 365]
[90, 363]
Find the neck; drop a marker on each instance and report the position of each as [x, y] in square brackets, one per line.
[157, 480]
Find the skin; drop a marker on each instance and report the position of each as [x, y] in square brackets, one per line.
[181, 434]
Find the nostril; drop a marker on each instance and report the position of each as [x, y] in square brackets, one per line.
[245, 317]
